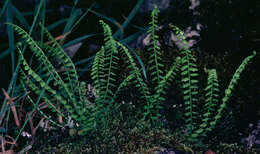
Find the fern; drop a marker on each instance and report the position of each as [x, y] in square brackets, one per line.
[58, 52]
[167, 79]
[155, 59]
[64, 86]
[211, 98]
[104, 67]
[104, 79]
[189, 75]
[41, 57]
[189, 82]
[230, 89]
[98, 72]
[209, 120]
[110, 62]
[139, 83]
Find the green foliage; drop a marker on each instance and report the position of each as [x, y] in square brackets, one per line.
[53, 71]
[212, 109]
[104, 72]
[211, 101]
[64, 88]
[189, 74]
[110, 65]
[155, 59]
[231, 86]
[154, 96]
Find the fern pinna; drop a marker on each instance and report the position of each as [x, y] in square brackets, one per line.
[64, 88]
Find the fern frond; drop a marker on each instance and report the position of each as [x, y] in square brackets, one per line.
[167, 79]
[230, 89]
[98, 72]
[43, 85]
[61, 55]
[40, 111]
[35, 89]
[211, 98]
[189, 81]
[64, 95]
[111, 62]
[123, 84]
[41, 57]
[55, 52]
[155, 59]
[140, 85]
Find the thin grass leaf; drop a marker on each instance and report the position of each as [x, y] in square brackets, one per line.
[83, 15]
[34, 108]
[56, 24]
[3, 8]
[4, 53]
[10, 32]
[75, 14]
[77, 40]
[110, 19]
[128, 19]
[19, 16]
[85, 60]
[12, 84]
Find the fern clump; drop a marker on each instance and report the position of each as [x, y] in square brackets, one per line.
[152, 92]
[213, 107]
[64, 88]
[53, 70]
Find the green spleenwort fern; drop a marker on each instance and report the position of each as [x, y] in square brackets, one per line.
[211, 101]
[210, 120]
[64, 87]
[213, 110]
[155, 59]
[189, 74]
[105, 66]
[66, 90]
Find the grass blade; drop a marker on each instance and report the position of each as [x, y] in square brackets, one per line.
[79, 39]
[3, 8]
[56, 24]
[10, 32]
[129, 18]
[19, 16]
[14, 76]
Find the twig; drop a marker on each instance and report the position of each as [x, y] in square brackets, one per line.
[13, 108]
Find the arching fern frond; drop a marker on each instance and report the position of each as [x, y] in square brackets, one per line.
[231, 86]
[61, 90]
[56, 52]
[42, 58]
[42, 84]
